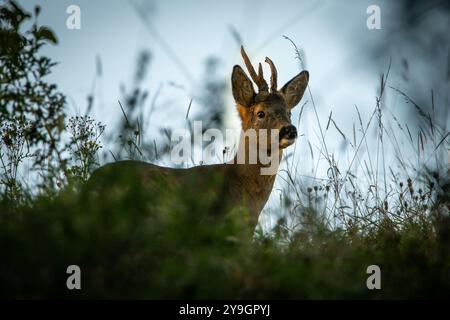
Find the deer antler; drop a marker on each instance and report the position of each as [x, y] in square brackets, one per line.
[257, 78]
[273, 77]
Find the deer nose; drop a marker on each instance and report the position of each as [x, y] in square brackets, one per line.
[289, 132]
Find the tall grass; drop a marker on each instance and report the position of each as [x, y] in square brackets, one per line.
[392, 179]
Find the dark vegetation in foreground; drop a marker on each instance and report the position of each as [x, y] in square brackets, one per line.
[178, 243]
[135, 245]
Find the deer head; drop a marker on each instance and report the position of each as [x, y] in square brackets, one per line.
[264, 109]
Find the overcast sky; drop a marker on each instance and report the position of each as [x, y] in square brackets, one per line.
[333, 36]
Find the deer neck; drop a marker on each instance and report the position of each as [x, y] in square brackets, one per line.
[250, 169]
[248, 180]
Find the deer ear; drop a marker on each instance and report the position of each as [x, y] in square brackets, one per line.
[294, 89]
[242, 87]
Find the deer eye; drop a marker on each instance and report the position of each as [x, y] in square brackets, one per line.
[261, 114]
[289, 114]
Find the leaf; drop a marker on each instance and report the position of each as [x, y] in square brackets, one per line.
[337, 128]
[46, 34]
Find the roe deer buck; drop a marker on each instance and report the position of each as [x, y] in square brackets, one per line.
[244, 183]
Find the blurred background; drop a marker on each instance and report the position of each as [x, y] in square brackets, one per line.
[158, 56]
[367, 182]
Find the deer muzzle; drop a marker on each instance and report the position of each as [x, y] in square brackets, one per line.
[288, 134]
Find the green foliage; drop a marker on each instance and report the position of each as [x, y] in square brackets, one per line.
[31, 110]
[84, 146]
[136, 244]
[32, 114]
